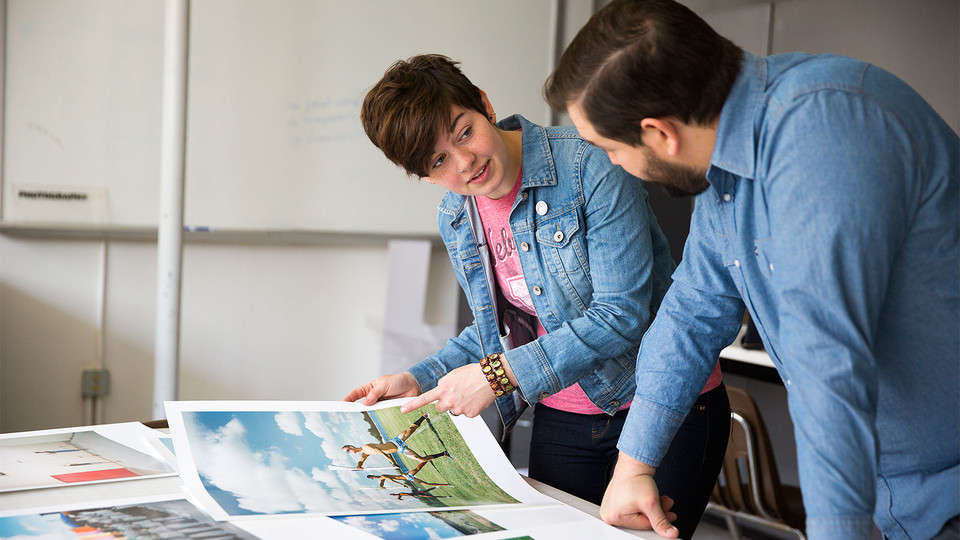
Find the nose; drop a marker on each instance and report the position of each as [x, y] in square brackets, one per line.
[465, 159]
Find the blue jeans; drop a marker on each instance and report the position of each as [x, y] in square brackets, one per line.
[577, 453]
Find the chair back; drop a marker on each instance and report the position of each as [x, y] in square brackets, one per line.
[749, 481]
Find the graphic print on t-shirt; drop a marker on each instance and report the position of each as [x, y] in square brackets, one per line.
[519, 293]
[502, 245]
[507, 267]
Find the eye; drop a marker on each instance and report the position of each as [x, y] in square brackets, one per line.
[466, 133]
[438, 163]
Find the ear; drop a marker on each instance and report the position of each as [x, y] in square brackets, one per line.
[661, 135]
[491, 114]
[427, 179]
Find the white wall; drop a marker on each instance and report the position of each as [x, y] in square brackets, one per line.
[287, 321]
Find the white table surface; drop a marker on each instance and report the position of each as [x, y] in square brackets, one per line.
[582, 505]
[748, 356]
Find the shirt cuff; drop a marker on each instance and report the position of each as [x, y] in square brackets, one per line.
[648, 431]
[427, 372]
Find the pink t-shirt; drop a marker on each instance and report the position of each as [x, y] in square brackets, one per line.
[495, 216]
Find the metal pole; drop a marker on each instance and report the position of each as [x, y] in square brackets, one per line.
[553, 52]
[170, 226]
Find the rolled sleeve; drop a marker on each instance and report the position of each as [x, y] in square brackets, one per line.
[700, 314]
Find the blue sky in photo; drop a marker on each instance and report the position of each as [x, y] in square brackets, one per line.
[33, 525]
[405, 526]
[267, 462]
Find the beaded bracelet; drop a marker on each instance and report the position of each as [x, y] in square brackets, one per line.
[492, 368]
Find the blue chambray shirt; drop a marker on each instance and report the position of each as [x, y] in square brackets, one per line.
[832, 216]
[594, 258]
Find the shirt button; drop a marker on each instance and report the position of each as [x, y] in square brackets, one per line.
[727, 197]
[537, 290]
[524, 246]
[737, 263]
[771, 267]
[542, 208]
[558, 236]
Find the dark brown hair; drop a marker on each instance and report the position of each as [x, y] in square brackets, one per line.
[637, 59]
[403, 112]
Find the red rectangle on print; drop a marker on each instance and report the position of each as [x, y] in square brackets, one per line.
[93, 476]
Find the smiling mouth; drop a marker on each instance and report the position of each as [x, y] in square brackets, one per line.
[480, 172]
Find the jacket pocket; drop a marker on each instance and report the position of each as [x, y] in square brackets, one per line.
[561, 240]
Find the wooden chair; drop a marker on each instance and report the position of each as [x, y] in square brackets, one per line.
[748, 490]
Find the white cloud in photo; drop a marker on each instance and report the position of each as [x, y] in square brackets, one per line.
[335, 429]
[261, 481]
[269, 482]
[289, 422]
[389, 525]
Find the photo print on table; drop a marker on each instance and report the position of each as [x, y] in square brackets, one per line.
[334, 462]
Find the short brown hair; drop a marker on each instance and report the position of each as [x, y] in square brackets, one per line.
[403, 112]
[637, 59]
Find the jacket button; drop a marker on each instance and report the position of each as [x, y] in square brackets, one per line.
[524, 246]
[543, 396]
[537, 290]
[614, 404]
[523, 195]
[558, 236]
[542, 208]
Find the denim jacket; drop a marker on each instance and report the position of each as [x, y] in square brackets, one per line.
[594, 259]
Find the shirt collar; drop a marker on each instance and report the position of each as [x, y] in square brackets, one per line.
[735, 149]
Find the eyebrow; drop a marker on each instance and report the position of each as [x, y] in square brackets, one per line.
[453, 125]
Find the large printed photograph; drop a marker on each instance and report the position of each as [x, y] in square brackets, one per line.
[268, 462]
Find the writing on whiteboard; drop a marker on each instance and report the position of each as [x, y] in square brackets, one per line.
[43, 131]
[325, 119]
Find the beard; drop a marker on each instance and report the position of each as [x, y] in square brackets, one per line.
[675, 179]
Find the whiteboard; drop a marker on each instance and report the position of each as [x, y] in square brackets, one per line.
[82, 110]
[274, 140]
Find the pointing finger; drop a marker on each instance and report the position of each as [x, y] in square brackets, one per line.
[417, 402]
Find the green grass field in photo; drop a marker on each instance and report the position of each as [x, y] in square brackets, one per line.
[470, 485]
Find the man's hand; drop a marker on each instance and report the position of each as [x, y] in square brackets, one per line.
[464, 390]
[398, 385]
[633, 501]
